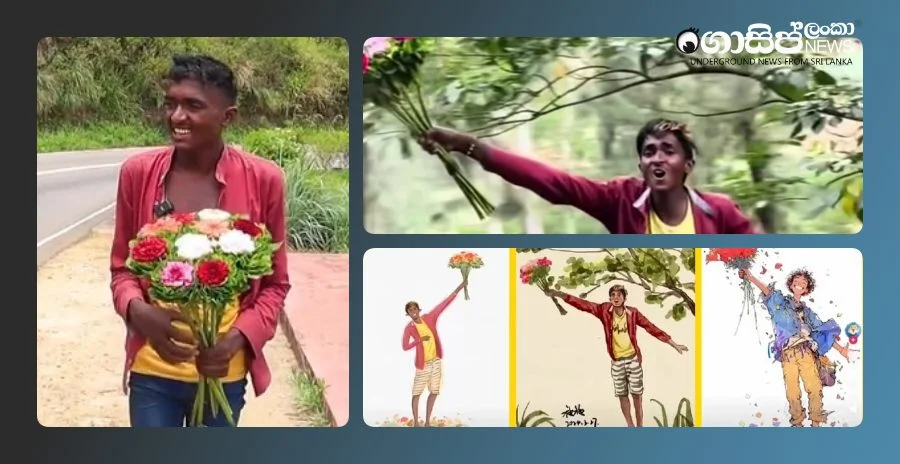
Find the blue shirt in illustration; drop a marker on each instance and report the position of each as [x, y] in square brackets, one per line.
[787, 325]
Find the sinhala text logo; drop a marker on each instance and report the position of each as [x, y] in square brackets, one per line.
[835, 38]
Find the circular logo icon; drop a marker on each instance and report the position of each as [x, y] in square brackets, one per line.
[688, 40]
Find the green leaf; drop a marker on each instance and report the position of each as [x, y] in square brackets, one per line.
[823, 78]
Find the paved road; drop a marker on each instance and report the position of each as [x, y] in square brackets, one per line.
[75, 192]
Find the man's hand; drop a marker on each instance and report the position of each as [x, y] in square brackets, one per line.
[845, 351]
[744, 274]
[425, 338]
[551, 292]
[462, 285]
[155, 324]
[681, 349]
[447, 138]
[213, 362]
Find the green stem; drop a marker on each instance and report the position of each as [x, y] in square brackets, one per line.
[422, 101]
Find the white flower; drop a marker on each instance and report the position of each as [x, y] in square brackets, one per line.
[213, 215]
[193, 246]
[236, 242]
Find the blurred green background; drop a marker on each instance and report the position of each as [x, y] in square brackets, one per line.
[95, 93]
[785, 142]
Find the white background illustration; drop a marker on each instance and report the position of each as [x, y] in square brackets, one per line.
[474, 335]
[742, 386]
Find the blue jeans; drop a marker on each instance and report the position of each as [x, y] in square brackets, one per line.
[159, 402]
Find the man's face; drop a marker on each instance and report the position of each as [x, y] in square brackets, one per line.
[617, 299]
[196, 114]
[799, 285]
[663, 162]
[413, 311]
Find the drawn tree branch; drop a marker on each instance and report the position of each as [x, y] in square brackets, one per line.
[656, 270]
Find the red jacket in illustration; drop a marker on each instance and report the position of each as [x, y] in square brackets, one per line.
[411, 336]
[633, 317]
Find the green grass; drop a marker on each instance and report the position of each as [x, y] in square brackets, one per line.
[322, 139]
[309, 398]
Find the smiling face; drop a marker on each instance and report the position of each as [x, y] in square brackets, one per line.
[412, 310]
[799, 286]
[196, 114]
[663, 162]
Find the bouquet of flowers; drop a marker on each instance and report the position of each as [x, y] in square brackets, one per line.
[537, 272]
[465, 261]
[391, 82]
[200, 263]
[738, 259]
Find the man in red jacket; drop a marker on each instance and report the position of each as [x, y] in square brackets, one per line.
[620, 325]
[658, 202]
[421, 333]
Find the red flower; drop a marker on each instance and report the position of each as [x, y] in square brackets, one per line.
[402, 39]
[149, 249]
[184, 218]
[213, 272]
[365, 63]
[247, 227]
[544, 262]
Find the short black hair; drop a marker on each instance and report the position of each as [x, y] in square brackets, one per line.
[810, 281]
[410, 305]
[205, 70]
[620, 289]
[661, 126]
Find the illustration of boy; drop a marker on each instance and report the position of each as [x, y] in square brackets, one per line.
[421, 333]
[620, 325]
[801, 341]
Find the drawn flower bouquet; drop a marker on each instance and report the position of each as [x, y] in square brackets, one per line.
[738, 259]
[391, 82]
[537, 272]
[404, 421]
[199, 264]
[465, 261]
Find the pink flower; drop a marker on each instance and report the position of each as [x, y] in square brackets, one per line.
[376, 45]
[544, 262]
[177, 274]
[212, 228]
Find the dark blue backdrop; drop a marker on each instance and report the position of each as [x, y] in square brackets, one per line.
[356, 20]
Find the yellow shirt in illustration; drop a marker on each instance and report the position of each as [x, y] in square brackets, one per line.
[656, 226]
[622, 347]
[430, 346]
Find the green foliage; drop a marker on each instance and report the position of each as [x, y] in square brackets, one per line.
[317, 208]
[102, 79]
[656, 270]
[533, 419]
[683, 416]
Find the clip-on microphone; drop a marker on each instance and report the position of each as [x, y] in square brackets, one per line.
[163, 208]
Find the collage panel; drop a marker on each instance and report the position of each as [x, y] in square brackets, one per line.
[782, 337]
[193, 232]
[436, 337]
[606, 338]
[618, 135]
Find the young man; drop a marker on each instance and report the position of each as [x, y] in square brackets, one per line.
[801, 339]
[657, 203]
[422, 334]
[620, 325]
[197, 171]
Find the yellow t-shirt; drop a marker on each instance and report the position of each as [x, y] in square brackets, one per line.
[622, 347]
[656, 226]
[148, 362]
[430, 346]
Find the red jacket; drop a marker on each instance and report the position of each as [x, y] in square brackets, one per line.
[620, 204]
[250, 185]
[633, 317]
[411, 336]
